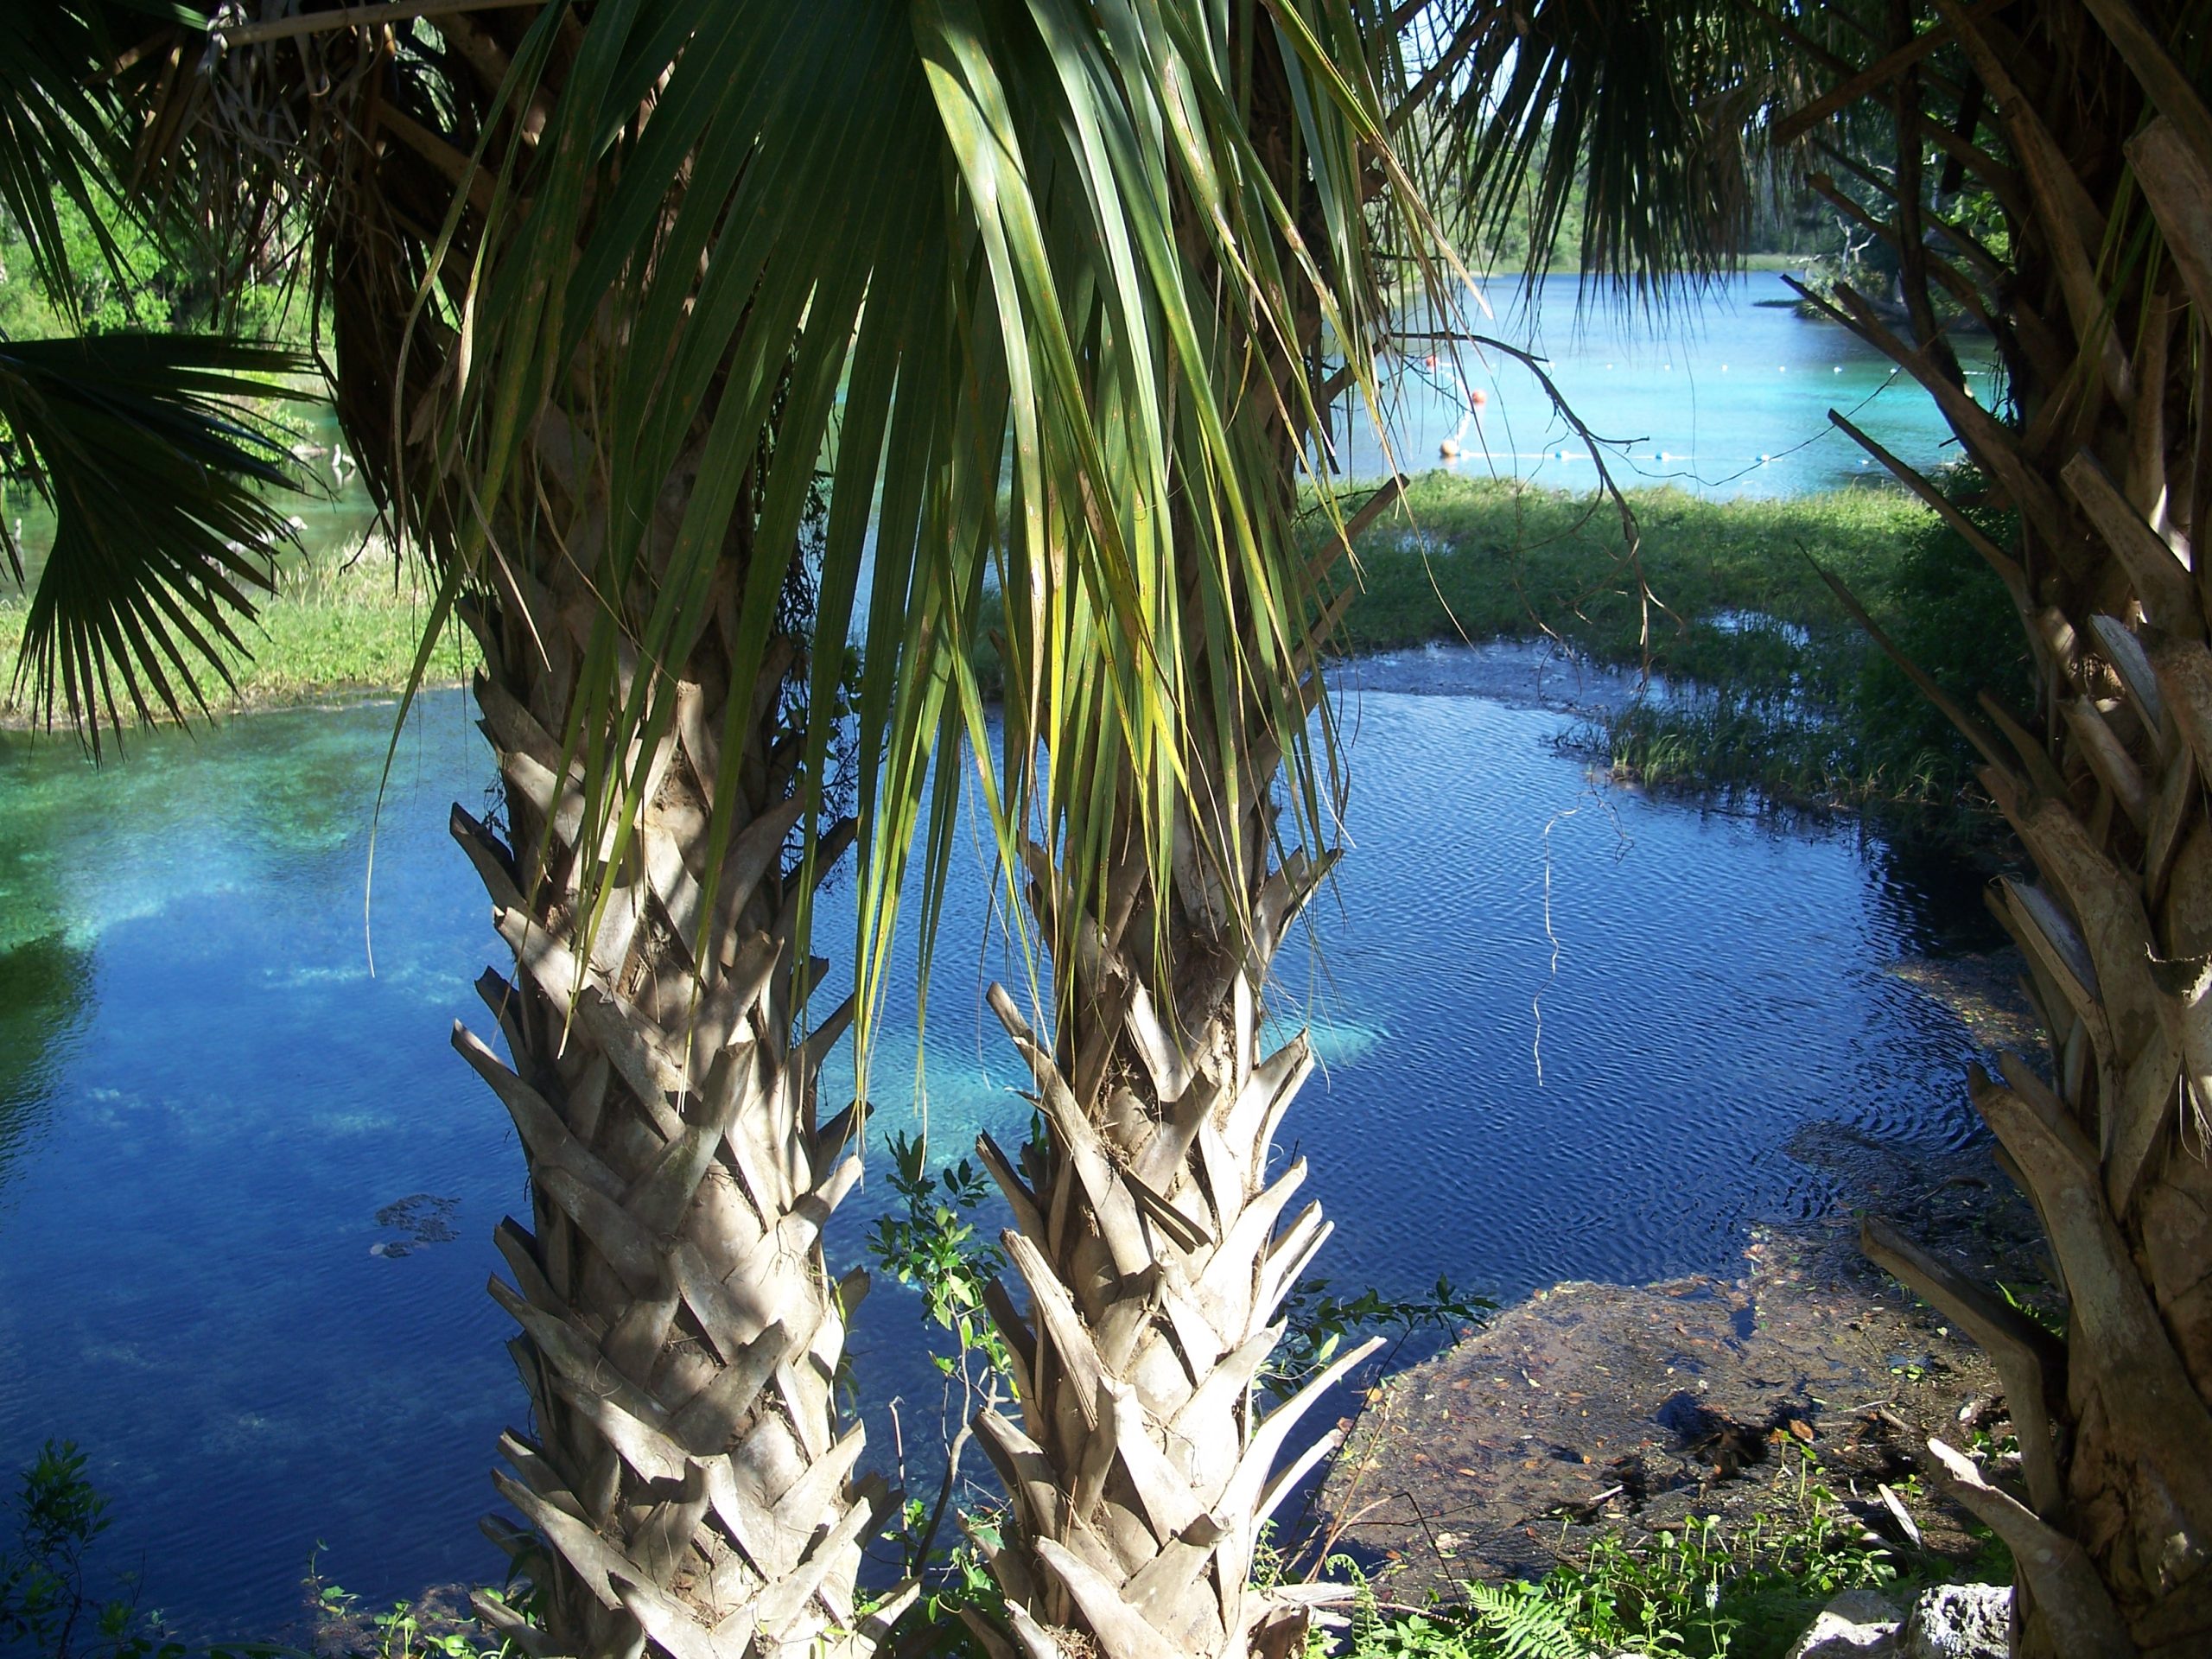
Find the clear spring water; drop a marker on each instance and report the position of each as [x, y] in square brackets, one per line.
[209, 1106]
[1725, 394]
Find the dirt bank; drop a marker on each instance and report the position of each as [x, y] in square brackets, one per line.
[1598, 1408]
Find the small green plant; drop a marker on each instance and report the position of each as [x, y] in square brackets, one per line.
[48, 1604]
[935, 1247]
[1698, 1590]
[420, 1629]
[1518, 1622]
[959, 1597]
[2027, 1303]
[1706, 1592]
[1491, 1621]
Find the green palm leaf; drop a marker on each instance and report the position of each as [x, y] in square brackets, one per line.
[58, 136]
[1653, 108]
[160, 481]
[1001, 267]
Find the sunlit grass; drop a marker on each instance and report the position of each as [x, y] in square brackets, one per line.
[1486, 558]
[335, 625]
[1771, 685]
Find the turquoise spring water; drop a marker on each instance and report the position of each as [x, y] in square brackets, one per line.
[1728, 396]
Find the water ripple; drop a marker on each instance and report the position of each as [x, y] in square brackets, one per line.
[1567, 1032]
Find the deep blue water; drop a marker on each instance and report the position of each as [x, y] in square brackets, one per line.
[207, 1098]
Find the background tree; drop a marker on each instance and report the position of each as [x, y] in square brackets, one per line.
[2087, 125]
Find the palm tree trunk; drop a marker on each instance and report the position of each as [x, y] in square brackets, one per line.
[1154, 1235]
[688, 1481]
[2105, 147]
[1156, 1244]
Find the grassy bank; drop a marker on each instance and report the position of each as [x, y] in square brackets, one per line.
[1764, 680]
[335, 625]
[1769, 682]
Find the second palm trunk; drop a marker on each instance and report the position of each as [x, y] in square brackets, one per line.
[1157, 1244]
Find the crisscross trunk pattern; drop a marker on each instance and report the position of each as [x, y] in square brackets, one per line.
[2082, 122]
[1156, 1243]
[687, 1480]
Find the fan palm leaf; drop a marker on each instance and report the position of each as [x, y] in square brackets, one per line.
[59, 138]
[1656, 111]
[165, 492]
[149, 449]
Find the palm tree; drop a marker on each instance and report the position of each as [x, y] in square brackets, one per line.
[1141, 824]
[681, 340]
[2084, 131]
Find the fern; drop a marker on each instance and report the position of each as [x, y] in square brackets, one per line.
[1520, 1624]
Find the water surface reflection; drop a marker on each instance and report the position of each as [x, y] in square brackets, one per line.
[206, 1100]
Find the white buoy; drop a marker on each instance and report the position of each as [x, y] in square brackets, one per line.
[1764, 459]
[1839, 368]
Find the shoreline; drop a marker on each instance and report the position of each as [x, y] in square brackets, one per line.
[1592, 1414]
[332, 698]
[1714, 662]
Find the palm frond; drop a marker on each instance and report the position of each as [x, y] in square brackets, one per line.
[60, 133]
[1653, 108]
[161, 480]
[1010, 271]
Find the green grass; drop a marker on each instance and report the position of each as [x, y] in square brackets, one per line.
[1775, 689]
[335, 625]
[1491, 557]
[1775, 686]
